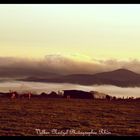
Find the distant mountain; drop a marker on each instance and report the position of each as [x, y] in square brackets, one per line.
[119, 77]
[120, 74]
[13, 73]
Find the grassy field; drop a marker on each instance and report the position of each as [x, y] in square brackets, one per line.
[21, 117]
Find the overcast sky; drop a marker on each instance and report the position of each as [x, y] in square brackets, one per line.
[64, 38]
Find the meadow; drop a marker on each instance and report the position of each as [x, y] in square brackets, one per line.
[21, 117]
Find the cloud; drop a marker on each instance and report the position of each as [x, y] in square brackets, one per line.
[57, 64]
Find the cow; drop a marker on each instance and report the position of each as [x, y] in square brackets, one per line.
[26, 95]
[13, 94]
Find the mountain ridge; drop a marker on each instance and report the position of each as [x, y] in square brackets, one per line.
[119, 77]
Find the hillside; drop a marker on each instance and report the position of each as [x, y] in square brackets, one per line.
[119, 77]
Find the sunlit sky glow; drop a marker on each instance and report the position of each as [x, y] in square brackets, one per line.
[81, 31]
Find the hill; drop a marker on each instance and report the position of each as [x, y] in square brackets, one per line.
[119, 77]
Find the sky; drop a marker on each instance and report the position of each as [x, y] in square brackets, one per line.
[69, 38]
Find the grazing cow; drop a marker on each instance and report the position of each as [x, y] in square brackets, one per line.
[68, 97]
[29, 94]
[13, 95]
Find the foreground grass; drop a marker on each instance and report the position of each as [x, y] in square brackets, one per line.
[22, 116]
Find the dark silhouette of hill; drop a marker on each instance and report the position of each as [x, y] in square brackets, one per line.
[21, 72]
[119, 77]
[120, 74]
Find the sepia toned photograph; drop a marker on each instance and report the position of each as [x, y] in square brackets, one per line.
[70, 70]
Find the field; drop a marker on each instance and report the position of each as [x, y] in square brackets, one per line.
[22, 117]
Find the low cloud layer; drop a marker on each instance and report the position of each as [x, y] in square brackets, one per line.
[57, 64]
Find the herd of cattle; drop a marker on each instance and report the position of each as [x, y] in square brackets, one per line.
[78, 94]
